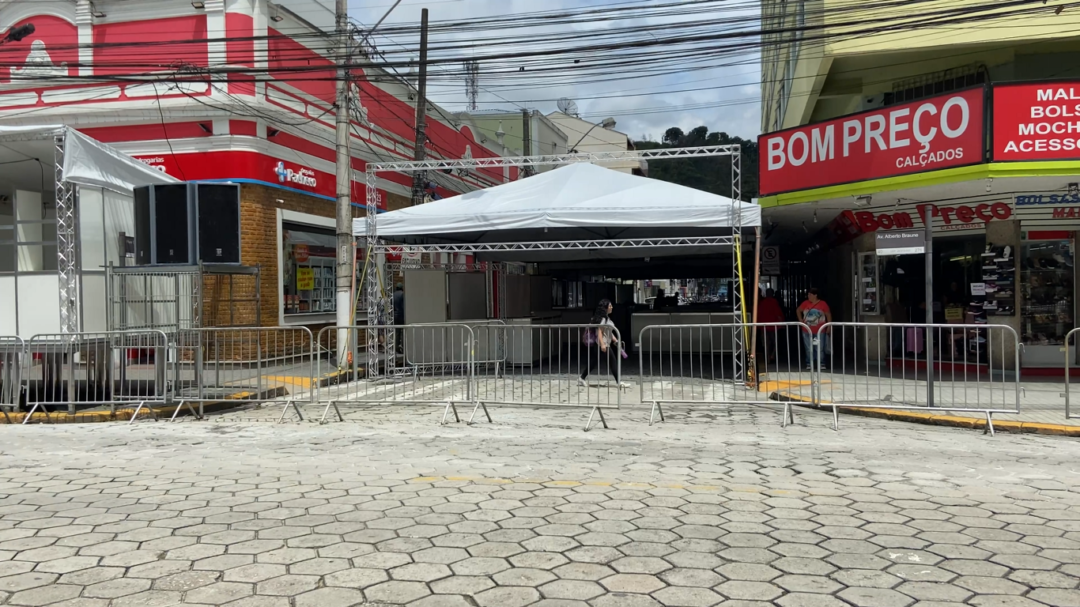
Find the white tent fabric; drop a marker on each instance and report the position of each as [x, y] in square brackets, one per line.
[87, 162]
[577, 196]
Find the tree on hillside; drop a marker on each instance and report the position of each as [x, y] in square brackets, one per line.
[711, 174]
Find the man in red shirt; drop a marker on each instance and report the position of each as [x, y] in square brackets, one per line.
[814, 313]
[769, 311]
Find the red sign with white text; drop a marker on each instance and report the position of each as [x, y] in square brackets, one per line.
[934, 133]
[251, 166]
[1037, 121]
[945, 218]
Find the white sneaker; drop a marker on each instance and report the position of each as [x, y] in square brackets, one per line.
[625, 386]
[582, 383]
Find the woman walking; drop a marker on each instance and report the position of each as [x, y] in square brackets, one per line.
[599, 341]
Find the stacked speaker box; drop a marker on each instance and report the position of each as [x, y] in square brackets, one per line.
[185, 223]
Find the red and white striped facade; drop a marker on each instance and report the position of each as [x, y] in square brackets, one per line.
[144, 85]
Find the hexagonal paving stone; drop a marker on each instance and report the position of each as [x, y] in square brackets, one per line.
[539, 560]
[396, 592]
[219, 593]
[68, 565]
[461, 584]
[45, 595]
[624, 600]
[116, 588]
[480, 566]
[507, 596]
[522, 576]
[255, 572]
[571, 589]
[756, 591]
[875, 597]
[289, 585]
[445, 556]
[812, 584]
[188, 580]
[584, 571]
[632, 583]
[681, 596]
[26, 581]
[691, 577]
[420, 572]
[150, 598]
[330, 597]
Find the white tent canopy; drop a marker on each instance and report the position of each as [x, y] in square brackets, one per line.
[572, 203]
[87, 162]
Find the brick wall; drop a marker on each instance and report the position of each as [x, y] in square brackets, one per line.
[259, 247]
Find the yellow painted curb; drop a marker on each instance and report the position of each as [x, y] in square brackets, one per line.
[935, 419]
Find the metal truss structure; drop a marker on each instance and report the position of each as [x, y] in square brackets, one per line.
[67, 265]
[381, 308]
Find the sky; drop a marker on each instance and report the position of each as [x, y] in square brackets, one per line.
[641, 106]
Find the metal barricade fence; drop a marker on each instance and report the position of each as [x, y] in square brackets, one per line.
[1069, 349]
[554, 366]
[435, 366]
[244, 365]
[973, 368]
[12, 363]
[489, 349]
[95, 370]
[686, 364]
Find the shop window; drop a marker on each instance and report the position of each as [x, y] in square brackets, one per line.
[308, 269]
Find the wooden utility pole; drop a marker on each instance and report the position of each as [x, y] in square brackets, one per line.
[419, 177]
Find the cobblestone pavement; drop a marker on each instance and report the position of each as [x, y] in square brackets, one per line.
[715, 507]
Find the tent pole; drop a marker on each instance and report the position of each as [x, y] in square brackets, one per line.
[757, 297]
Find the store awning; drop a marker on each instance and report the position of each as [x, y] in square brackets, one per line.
[578, 202]
[87, 162]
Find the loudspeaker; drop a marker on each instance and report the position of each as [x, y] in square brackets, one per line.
[218, 208]
[184, 223]
[172, 225]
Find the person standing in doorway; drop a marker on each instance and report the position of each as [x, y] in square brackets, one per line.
[599, 342]
[769, 311]
[814, 313]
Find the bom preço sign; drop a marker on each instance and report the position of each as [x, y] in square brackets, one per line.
[948, 218]
[1036, 121]
[930, 134]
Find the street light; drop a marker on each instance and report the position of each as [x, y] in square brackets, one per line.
[16, 34]
[607, 123]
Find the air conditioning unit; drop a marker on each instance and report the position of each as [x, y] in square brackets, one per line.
[869, 102]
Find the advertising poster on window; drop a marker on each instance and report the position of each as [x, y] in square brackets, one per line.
[305, 279]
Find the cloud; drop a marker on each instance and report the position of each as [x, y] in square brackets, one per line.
[642, 106]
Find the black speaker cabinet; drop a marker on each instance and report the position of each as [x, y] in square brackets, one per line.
[184, 223]
[217, 207]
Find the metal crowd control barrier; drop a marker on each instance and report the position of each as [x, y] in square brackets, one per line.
[244, 365]
[96, 369]
[488, 351]
[438, 367]
[975, 368]
[687, 364]
[1069, 350]
[554, 366]
[12, 363]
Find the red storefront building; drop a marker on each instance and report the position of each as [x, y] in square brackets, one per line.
[241, 91]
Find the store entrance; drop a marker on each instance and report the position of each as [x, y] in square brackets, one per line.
[958, 263]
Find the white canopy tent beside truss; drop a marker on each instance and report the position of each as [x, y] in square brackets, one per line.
[575, 203]
[56, 161]
[544, 218]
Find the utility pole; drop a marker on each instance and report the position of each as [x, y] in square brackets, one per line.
[526, 140]
[421, 112]
[345, 254]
